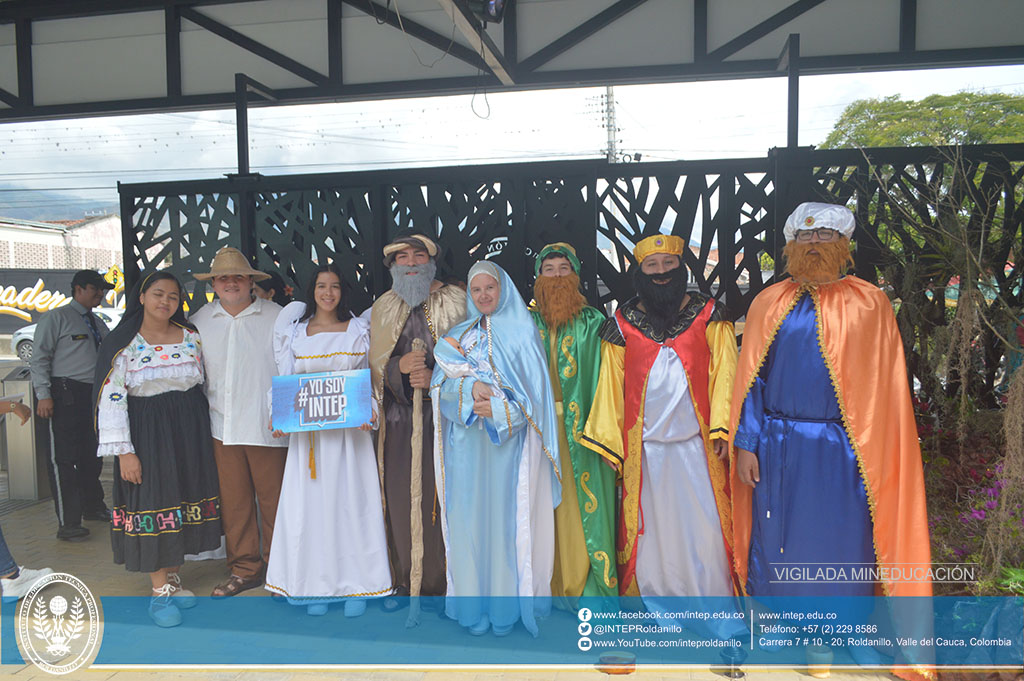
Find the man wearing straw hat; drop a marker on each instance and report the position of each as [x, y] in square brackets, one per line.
[417, 308]
[237, 333]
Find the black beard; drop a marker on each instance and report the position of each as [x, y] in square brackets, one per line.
[661, 301]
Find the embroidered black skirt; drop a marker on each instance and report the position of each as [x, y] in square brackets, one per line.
[176, 509]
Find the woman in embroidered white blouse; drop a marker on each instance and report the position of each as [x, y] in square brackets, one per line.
[153, 416]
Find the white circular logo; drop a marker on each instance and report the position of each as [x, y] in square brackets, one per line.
[59, 624]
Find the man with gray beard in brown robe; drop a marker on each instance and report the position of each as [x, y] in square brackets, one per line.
[417, 306]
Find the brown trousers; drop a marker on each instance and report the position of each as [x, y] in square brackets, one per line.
[248, 473]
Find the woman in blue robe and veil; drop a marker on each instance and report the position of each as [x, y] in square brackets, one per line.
[496, 455]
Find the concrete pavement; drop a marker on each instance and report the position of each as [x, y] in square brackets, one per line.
[30, 533]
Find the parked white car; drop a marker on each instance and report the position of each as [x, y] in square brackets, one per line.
[21, 340]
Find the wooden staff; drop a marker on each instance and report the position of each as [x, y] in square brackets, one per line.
[416, 499]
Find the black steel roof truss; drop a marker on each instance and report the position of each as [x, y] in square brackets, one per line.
[580, 33]
[511, 39]
[334, 55]
[704, 66]
[70, 9]
[172, 43]
[419, 31]
[908, 25]
[777, 20]
[256, 47]
[9, 98]
[23, 49]
[700, 30]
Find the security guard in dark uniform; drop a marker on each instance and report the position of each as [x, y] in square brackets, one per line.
[63, 363]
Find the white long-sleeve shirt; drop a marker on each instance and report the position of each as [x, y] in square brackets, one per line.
[238, 355]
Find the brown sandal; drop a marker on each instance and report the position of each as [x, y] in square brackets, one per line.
[234, 586]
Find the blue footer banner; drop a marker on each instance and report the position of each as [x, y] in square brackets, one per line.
[260, 630]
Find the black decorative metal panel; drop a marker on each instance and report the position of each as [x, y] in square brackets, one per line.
[298, 230]
[730, 211]
[721, 213]
[927, 218]
[181, 232]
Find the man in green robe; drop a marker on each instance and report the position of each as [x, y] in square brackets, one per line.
[585, 520]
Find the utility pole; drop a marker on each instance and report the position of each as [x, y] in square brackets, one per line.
[609, 123]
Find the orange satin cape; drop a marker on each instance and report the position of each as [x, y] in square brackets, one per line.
[862, 348]
[692, 348]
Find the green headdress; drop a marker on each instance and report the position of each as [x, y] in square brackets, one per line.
[558, 248]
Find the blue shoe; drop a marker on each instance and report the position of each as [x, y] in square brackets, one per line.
[162, 609]
[481, 627]
[503, 631]
[354, 607]
[316, 609]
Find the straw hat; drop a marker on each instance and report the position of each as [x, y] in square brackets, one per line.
[231, 261]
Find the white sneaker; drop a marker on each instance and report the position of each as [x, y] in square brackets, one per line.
[14, 589]
[183, 597]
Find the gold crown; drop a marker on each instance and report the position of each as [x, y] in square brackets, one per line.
[659, 243]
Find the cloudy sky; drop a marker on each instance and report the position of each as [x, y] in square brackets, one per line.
[49, 166]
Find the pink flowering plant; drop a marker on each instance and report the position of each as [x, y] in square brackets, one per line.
[964, 482]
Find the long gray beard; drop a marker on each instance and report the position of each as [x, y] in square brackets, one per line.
[413, 289]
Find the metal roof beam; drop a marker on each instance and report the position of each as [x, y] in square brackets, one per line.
[172, 48]
[257, 48]
[700, 30]
[9, 98]
[23, 49]
[777, 20]
[908, 25]
[334, 54]
[243, 86]
[511, 39]
[70, 9]
[682, 72]
[789, 62]
[478, 39]
[436, 40]
[577, 35]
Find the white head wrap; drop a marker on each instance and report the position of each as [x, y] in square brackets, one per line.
[818, 215]
[483, 267]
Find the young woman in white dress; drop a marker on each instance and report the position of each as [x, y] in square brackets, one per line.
[329, 541]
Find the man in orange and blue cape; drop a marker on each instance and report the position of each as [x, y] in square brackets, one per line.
[661, 415]
[827, 468]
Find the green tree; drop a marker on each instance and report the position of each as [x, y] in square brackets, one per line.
[963, 118]
[955, 223]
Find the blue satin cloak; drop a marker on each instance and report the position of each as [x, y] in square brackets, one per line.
[810, 509]
[481, 467]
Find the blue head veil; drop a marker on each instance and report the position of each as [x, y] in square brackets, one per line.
[517, 359]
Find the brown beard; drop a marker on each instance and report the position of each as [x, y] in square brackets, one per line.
[828, 264]
[558, 299]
